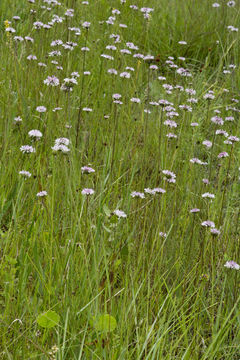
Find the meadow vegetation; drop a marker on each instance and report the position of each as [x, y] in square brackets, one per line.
[120, 180]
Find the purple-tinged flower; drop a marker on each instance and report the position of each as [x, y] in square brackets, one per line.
[87, 191]
[64, 141]
[232, 265]
[223, 155]
[231, 3]
[208, 223]
[35, 134]
[207, 143]
[206, 181]
[31, 57]
[194, 210]
[229, 118]
[171, 136]
[159, 190]
[170, 123]
[42, 193]
[215, 231]
[116, 96]
[194, 124]
[149, 191]
[60, 147]
[51, 80]
[197, 161]
[17, 119]
[215, 5]
[112, 71]
[87, 169]
[25, 173]
[163, 234]
[209, 96]
[221, 132]
[137, 194]
[18, 38]
[233, 138]
[208, 195]
[182, 42]
[86, 25]
[119, 213]
[27, 149]
[135, 100]
[41, 109]
[125, 75]
[217, 120]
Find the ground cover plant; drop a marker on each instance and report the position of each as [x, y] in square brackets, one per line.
[120, 179]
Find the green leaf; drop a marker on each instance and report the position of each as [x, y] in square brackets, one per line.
[48, 319]
[105, 323]
[106, 210]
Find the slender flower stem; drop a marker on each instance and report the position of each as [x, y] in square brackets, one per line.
[225, 187]
[81, 93]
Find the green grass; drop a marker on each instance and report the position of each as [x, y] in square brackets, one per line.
[171, 297]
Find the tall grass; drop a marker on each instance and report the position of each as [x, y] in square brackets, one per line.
[153, 269]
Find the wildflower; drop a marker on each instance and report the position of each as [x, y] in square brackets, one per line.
[18, 38]
[135, 100]
[51, 80]
[42, 64]
[194, 210]
[232, 265]
[41, 109]
[223, 155]
[208, 223]
[170, 177]
[137, 194]
[231, 3]
[31, 57]
[229, 118]
[60, 147]
[215, 231]
[209, 96]
[42, 193]
[206, 181]
[87, 169]
[26, 174]
[35, 134]
[194, 124]
[63, 141]
[182, 42]
[87, 191]
[28, 38]
[112, 71]
[86, 25]
[207, 143]
[85, 48]
[116, 96]
[108, 57]
[170, 123]
[27, 149]
[17, 119]
[87, 109]
[197, 161]
[119, 213]
[162, 234]
[171, 136]
[221, 132]
[125, 75]
[208, 195]
[217, 120]
[233, 138]
[215, 5]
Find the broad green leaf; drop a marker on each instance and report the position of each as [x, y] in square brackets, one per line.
[105, 323]
[48, 319]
